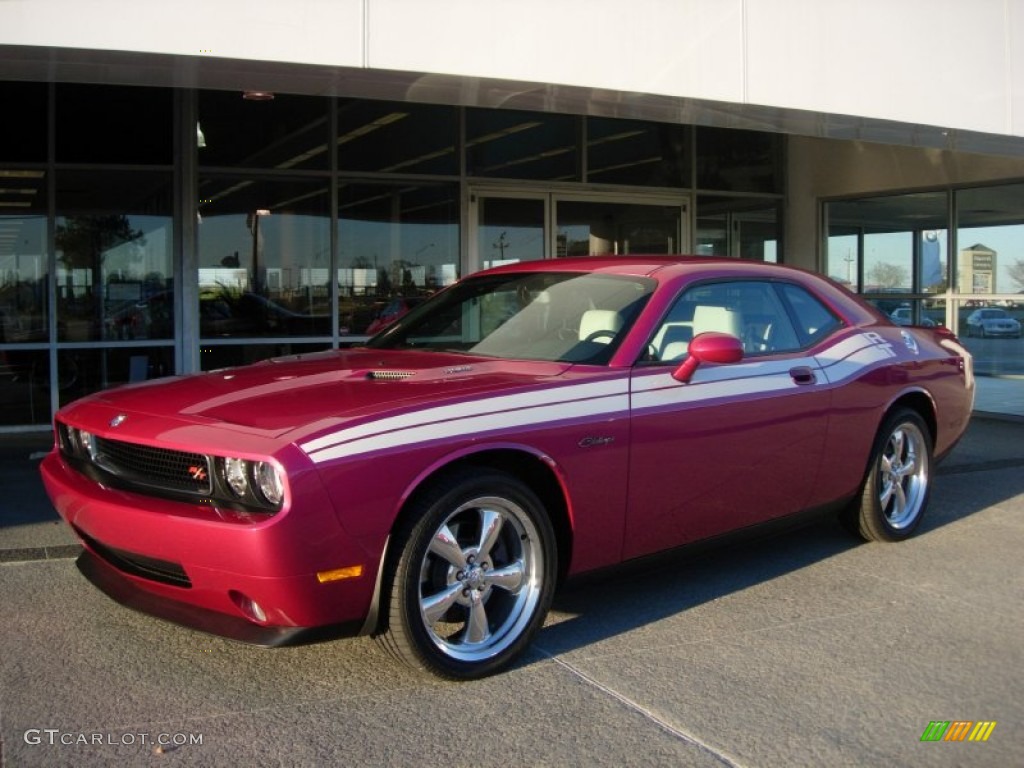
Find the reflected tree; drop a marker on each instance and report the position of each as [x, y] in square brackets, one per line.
[1016, 273]
[887, 276]
[84, 240]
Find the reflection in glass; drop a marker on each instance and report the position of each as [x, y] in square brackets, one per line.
[888, 260]
[990, 237]
[738, 161]
[285, 132]
[23, 134]
[990, 268]
[509, 230]
[114, 124]
[397, 245]
[637, 153]
[83, 371]
[521, 145]
[396, 137]
[927, 312]
[114, 239]
[214, 357]
[24, 387]
[24, 291]
[893, 244]
[264, 258]
[594, 228]
[739, 228]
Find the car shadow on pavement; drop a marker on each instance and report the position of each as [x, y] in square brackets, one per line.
[615, 601]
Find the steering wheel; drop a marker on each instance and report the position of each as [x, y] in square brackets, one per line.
[600, 334]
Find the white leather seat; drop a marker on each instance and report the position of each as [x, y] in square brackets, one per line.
[596, 320]
[711, 318]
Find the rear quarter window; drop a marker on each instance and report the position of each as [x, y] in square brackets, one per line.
[812, 319]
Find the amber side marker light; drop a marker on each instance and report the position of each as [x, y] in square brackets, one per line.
[351, 572]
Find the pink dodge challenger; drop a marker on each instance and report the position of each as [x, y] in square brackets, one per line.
[527, 424]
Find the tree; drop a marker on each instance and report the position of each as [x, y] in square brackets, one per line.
[887, 276]
[1016, 272]
[84, 241]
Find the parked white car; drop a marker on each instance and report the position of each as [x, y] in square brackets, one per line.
[992, 321]
[904, 316]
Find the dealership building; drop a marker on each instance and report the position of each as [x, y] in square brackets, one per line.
[190, 185]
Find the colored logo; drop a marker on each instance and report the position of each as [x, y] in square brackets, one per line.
[958, 730]
[198, 473]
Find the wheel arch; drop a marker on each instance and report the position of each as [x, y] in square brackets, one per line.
[538, 471]
[920, 402]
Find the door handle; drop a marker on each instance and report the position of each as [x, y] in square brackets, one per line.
[802, 374]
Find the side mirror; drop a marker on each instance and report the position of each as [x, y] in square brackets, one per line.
[709, 347]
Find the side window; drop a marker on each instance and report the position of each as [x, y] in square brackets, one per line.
[750, 310]
[813, 319]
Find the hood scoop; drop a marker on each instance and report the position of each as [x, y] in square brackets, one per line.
[389, 375]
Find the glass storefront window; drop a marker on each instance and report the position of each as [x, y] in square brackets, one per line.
[522, 145]
[597, 228]
[746, 228]
[24, 272]
[24, 386]
[23, 130]
[990, 238]
[283, 132]
[114, 240]
[398, 243]
[114, 124]
[215, 356]
[82, 371]
[889, 245]
[739, 161]
[990, 272]
[510, 229]
[394, 137]
[264, 258]
[637, 153]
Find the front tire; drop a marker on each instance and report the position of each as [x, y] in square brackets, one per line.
[472, 578]
[895, 492]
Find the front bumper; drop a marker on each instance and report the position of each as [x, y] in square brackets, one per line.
[181, 563]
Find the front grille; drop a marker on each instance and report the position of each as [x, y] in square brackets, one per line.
[177, 471]
[144, 567]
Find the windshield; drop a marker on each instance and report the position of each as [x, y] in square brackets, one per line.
[553, 316]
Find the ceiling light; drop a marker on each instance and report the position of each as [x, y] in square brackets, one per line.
[258, 95]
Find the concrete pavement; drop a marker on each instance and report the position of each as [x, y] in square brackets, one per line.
[802, 649]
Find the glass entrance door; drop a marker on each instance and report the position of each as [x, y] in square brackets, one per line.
[521, 226]
[597, 227]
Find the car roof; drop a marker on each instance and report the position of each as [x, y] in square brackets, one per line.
[648, 265]
[672, 268]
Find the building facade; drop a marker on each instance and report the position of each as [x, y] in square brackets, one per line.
[188, 187]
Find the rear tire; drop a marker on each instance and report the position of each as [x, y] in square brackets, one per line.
[896, 489]
[472, 576]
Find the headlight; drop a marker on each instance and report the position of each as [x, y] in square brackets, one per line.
[269, 482]
[256, 484]
[236, 476]
[85, 443]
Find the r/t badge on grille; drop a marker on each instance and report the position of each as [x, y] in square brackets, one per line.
[118, 420]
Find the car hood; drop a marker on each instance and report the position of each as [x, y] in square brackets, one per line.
[318, 391]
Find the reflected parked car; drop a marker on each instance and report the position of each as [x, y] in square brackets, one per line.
[904, 316]
[992, 322]
[527, 424]
[395, 309]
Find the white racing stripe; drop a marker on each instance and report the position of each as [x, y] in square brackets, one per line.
[603, 399]
[470, 417]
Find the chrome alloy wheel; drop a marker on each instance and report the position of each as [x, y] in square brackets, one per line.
[903, 475]
[481, 579]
